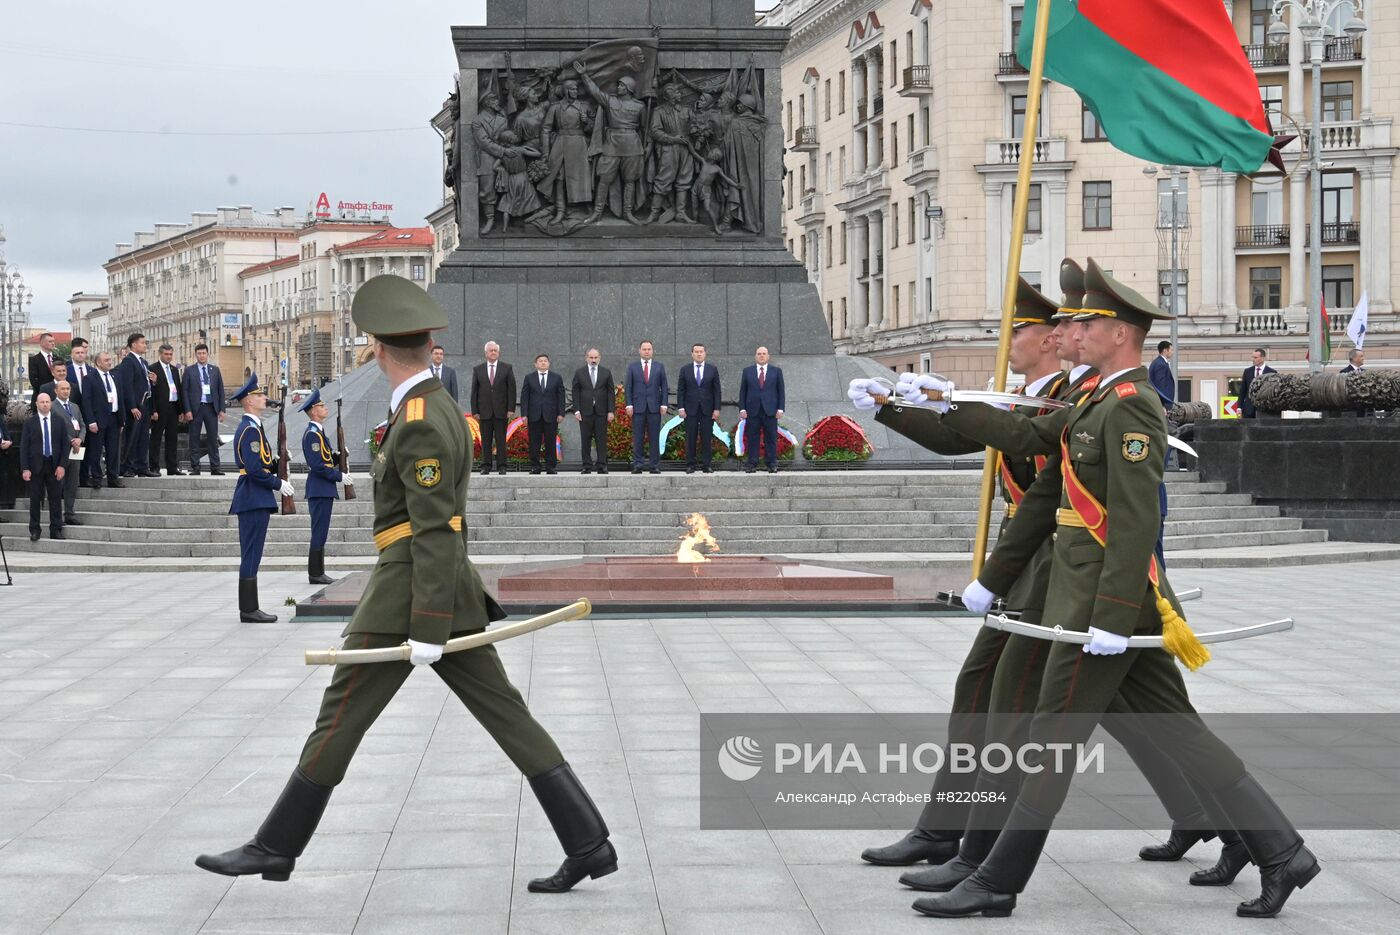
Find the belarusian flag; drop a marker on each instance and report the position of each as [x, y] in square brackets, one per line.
[1326, 324]
[1167, 79]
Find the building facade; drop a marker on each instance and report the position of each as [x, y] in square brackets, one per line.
[903, 125]
[81, 307]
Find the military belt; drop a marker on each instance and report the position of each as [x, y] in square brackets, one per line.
[1011, 509]
[386, 538]
[1070, 518]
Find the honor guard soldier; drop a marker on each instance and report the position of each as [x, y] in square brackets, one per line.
[254, 497]
[322, 476]
[425, 590]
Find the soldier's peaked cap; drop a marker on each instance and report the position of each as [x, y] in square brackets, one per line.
[249, 387]
[1032, 308]
[310, 401]
[1072, 287]
[1106, 297]
[396, 311]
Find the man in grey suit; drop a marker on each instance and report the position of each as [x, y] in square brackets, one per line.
[647, 393]
[65, 407]
[446, 374]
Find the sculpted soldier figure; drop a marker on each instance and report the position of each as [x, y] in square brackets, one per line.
[424, 590]
[564, 139]
[675, 167]
[487, 125]
[743, 162]
[622, 152]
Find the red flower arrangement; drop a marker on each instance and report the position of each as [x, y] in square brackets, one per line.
[837, 438]
[786, 451]
[675, 449]
[475, 425]
[620, 430]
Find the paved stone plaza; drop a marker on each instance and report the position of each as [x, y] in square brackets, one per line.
[140, 724]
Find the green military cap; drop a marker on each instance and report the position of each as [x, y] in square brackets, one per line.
[1032, 308]
[1072, 285]
[1106, 297]
[396, 311]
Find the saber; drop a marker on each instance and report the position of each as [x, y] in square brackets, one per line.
[952, 599]
[1061, 635]
[330, 657]
[973, 396]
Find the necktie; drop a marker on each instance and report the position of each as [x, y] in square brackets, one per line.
[542, 376]
[48, 359]
[491, 374]
[48, 449]
[698, 371]
[107, 382]
[1258, 371]
[437, 372]
[760, 376]
[593, 375]
[646, 371]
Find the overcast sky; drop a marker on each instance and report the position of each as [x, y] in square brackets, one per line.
[165, 68]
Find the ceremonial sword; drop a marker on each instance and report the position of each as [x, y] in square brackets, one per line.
[954, 599]
[330, 657]
[1061, 635]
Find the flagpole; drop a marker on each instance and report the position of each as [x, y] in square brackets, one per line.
[1013, 268]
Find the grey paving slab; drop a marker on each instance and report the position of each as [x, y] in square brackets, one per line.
[134, 739]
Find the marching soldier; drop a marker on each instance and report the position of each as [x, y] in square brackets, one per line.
[322, 476]
[254, 496]
[1111, 456]
[423, 589]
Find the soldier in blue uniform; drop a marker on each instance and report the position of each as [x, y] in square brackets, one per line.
[322, 476]
[255, 496]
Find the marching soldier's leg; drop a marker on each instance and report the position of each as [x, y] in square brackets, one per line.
[252, 533]
[941, 824]
[479, 679]
[320, 530]
[352, 702]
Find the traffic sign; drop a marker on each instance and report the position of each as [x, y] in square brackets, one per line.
[1230, 407]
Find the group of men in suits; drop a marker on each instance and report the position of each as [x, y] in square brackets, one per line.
[543, 401]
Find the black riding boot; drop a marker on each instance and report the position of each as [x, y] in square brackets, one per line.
[274, 850]
[248, 603]
[316, 567]
[1234, 857]
[1273, 844]
[975, 847]
[581, 831]
[992, 889]
[934, 846]
[1179, 841]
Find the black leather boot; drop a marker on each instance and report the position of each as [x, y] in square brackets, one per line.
[248, 603]
[992, 889]
[1234, 857]
[579, 827]
[316, 567]
[934, 846]
[285, 831]
[975, 847]
[1178, 842]
[1274, 846]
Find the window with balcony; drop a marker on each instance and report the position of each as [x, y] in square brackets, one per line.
[909, 134]
[1266, 203]
[924, 121]
[1098, 206]
[1091, 129]
[1337, 198]
[1266, 287]
[1018, 18]
[1336, 101]
[1338, 287]
[1018, 116]
[419, 271]
[1259, 17]
[1169, 299]
[1272, 96]
[1033, 209]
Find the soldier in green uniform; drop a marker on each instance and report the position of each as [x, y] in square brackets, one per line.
[423, 588]
[1112, 447]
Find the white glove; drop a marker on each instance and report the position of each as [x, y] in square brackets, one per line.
[911, 387]
[862, 394]
[287, 489]
[424, 654]
[1104, 643]
[348, 479]
[977, 598]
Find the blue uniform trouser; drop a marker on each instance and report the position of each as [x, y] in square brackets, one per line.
[204, 417]
[252, 533]
[648, 456]
[768, 425]
[320, 520]
[1162, 529]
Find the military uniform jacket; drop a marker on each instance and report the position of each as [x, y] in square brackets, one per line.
[257, 481]
[1114, 441]
[423, 586]
[925, 427]
[322, 475]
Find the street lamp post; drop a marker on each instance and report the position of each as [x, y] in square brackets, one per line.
[1174, 173]
[1315, 30]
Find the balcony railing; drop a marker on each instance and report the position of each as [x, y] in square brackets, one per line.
[806, 139]
[1342, 49]
[1008, 152]
[1338, 134]
[1336, 233]
[917, 79]
[865, 272]
[1262, 235]
[879, 104]
[1338, 319]
[1267, 54]
[810, 204]
[1267, 321]
[862, 111]
[1009, 64]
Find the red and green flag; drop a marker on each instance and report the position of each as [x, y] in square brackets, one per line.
[1167, 79]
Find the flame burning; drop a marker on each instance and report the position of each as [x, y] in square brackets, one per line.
[699, 535]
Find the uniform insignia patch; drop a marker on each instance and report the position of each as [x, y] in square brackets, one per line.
[1085, 437]
[315, 446]
[1135, 445]
[1125, 389]
[429, 471]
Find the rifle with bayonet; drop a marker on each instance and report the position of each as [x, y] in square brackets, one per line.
[284, 459]
[343, 456]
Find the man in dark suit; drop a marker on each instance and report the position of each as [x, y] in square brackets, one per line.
[43, 453]
[1159, 374]
[697, 401]
[67, 411]
[9, 474]
[105, 440]
[542, 402]
[646, 391]
[59, 369]
[135, 378]
[446, 374]
[761, 401]
[1356, 362]
[594, 395]
[167, 411]
[1251, 373]
[203, 392]
[493, 395]
[82, 375]
[41, 366]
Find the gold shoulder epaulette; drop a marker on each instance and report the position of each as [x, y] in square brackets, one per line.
[414, 410]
